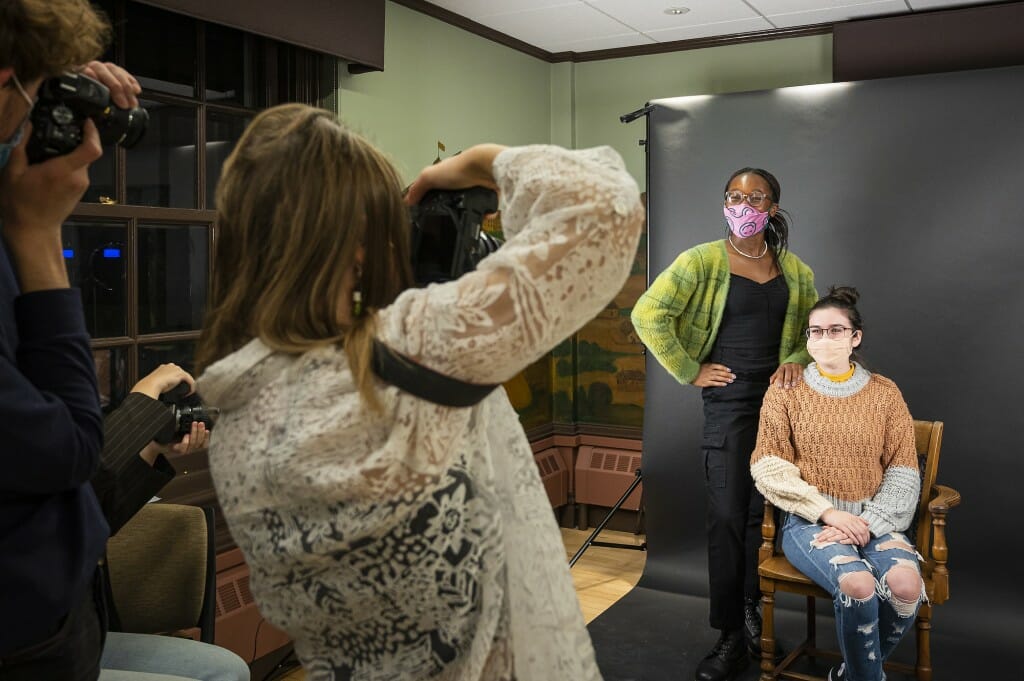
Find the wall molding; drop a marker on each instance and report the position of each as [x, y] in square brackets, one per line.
[471, 26]
[582, 430]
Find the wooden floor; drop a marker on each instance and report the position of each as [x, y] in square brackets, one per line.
[602, 576]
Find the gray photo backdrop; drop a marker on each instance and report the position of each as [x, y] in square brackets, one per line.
[912, 190]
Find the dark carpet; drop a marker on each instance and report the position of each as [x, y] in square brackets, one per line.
[654, 635]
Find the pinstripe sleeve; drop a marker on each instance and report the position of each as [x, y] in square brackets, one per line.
[125, 482]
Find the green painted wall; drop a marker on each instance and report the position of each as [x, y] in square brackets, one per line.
[563, 115]
[604, 90]
[442, 83]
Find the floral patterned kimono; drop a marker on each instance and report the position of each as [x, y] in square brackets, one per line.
[419, 542]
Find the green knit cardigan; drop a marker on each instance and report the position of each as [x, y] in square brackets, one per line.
[678, 317]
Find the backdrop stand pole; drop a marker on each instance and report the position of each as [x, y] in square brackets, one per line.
[613, 545]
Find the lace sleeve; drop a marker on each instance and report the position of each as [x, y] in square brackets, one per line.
[572, 220]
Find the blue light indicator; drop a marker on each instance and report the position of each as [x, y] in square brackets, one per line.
[111, 252]
[69, 253]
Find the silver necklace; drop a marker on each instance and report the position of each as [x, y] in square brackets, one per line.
[746, 255]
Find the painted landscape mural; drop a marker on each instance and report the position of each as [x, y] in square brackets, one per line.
[594, 377]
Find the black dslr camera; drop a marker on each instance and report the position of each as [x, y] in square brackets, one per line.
[186, 410]
[65, 102]
[446, 238]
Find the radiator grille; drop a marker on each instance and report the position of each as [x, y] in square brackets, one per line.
[227, 598]
[602, 475]
[555, 476]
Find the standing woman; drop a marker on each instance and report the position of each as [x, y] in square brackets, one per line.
[395, 539]
[727, 316]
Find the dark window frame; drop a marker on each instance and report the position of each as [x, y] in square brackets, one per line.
[290, 74]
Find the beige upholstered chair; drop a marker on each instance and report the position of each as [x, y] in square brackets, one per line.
[929, 527]
[162, 568]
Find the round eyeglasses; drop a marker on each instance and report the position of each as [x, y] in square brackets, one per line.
[754, 199]
[832, 332]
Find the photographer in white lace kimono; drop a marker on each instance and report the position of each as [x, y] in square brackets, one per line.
[393, 538]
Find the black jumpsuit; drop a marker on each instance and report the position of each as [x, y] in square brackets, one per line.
[748, 343]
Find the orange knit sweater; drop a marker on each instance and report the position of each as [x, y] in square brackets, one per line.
[855, 452]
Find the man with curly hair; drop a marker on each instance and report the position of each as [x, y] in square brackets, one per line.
[52, 531]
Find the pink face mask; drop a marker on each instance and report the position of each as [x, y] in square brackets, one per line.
[744, 221]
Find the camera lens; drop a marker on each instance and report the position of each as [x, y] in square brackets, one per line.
[124, 126]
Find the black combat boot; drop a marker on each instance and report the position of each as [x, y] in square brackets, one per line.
[752, 627]
[727, 659]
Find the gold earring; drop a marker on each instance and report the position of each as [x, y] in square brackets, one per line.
[357, 293]
[357, 303]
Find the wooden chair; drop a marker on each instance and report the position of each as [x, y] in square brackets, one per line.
[927, 531]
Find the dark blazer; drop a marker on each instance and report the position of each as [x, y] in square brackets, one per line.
[52, 531]
[124, 482]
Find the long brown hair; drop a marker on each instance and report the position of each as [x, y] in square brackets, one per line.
[298, 197]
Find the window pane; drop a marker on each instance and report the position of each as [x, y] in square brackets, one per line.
[222, 132]
[162, 167]
[112, 373]
[101, 172]
[152, 355]
[160, 49]
[101, 178]
[235, 67]
[173, 274]
[96, 257]
[109, 9]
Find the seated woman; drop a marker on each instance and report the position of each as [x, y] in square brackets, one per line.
[836, 453]
[133, 468]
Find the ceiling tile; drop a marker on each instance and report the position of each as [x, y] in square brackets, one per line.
[604, 43]
[649, 15]
[581, 25]
[831, 14]
[479, 8]
[556, 25]
[709, 30]
[767, 7]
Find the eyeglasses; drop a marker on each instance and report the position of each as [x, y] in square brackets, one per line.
[754, 199]
[833, 332]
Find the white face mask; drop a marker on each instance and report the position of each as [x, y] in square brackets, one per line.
[829, 352]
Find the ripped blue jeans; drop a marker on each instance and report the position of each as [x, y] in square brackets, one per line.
[868, 629]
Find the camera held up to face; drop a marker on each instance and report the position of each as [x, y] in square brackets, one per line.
[447, 240]
[64, 103]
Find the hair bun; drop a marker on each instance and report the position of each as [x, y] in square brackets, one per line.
[847, 295]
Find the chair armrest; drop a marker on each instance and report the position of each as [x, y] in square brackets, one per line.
[944, 499]
[767, 549]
